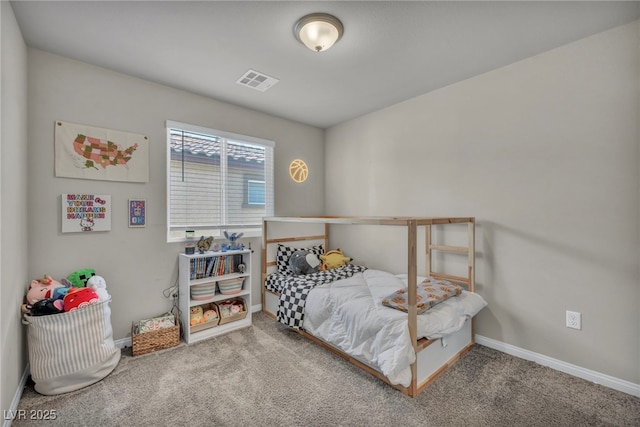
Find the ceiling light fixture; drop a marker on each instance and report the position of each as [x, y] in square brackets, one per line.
[318, 31]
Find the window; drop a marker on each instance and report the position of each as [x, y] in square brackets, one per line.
[217, 181]
[255, 192]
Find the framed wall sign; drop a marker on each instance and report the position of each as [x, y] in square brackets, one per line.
[137, 213]
[86, 212]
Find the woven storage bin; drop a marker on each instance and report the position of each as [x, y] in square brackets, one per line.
[233, 317]
[203, 292]
[156, 340]
[71, 350]
[230, 286]
[210, 323]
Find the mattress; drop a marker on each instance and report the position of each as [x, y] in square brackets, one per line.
[349, 315]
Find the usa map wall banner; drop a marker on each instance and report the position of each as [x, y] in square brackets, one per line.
[86, 212]
[103, 154]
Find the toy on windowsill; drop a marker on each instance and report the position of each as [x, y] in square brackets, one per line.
[204, 244]
[233, 244]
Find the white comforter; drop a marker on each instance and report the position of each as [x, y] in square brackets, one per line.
[349, 315]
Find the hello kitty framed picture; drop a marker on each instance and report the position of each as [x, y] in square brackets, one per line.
[85, 212]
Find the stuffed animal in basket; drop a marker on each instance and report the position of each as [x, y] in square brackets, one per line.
[79, 278]
[210, 315]
[60, 293]
[237, 307]
[99, 285]
[45, 306]
[334, 259]
[196, 316]
[42, 288]
[79, 298]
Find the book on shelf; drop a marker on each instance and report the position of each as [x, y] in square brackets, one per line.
[214, 266]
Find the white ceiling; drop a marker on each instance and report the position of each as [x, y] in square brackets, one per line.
[390, 51]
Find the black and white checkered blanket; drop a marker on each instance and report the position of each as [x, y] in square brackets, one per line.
[295, 289]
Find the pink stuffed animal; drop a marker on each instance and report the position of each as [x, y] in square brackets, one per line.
[42, 288]
[237, 308]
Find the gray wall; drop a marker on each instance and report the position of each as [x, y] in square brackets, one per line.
[13, 203]
[137, 263]
[545, 154]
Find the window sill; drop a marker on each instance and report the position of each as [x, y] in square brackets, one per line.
[246, 235]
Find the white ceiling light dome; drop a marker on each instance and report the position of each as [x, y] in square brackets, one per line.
[318, 31]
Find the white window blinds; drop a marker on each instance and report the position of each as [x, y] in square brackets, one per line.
[217, 181]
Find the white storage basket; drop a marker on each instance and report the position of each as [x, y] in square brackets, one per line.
[69, 351]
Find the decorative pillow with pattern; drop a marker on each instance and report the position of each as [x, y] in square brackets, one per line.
[284, 253]
[430, 292]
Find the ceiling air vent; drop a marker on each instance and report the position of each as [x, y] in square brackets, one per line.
[257, 80]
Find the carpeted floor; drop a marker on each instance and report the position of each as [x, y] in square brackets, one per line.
[266, 375]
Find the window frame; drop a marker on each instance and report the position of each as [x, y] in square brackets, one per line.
[232, 137]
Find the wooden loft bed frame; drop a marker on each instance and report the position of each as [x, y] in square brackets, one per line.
[420, 380]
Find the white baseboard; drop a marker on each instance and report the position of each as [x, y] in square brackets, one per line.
[10, 414]
[123, 342]
[577, 371]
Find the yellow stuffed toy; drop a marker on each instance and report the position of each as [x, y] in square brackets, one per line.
[196, 315]
[334, 259]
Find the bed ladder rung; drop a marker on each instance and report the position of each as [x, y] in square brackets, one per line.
[444, 248]
[451, 277]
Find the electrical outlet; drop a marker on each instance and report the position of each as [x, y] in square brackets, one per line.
[574, 320]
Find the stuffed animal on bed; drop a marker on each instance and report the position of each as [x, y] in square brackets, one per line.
[304, 262]
[334, 259]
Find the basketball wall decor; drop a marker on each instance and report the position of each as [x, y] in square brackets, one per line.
[298, 170]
